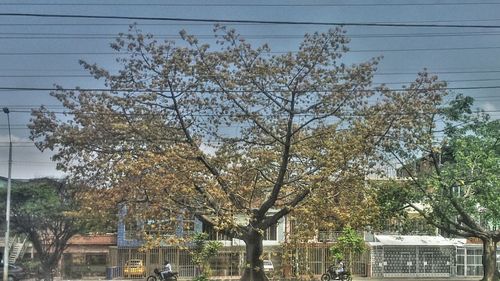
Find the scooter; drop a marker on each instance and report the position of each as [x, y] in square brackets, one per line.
[331, 274]
[158, 276]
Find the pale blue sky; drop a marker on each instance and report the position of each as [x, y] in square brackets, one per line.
[40, 52]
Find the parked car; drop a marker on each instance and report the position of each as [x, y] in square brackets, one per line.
[268, 265]
[15, 272]
[134, 268]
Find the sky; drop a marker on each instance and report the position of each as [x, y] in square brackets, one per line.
[40, 52]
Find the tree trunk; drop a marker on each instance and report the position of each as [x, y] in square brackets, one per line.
[254, 267]
[490, 260]
[46, 273]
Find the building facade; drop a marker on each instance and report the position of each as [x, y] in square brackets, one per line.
[87, 256]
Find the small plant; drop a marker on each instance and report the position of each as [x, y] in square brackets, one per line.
[31, 266]
[201, 252]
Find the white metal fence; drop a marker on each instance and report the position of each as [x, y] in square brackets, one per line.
[304, 260]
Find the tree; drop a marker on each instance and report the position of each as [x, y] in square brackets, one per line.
[394, 214]
[349, 244]
[41, 209]
[452, 180]
[229, 130]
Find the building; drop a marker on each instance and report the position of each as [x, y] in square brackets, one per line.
[388, 255]
[229, 262]
[86, 255]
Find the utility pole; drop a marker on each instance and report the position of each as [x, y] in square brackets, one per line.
[7, 209]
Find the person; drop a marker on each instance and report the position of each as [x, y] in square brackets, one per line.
[167, 270]
[341, 268]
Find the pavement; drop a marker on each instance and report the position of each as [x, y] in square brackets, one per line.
[416, 279]
[355, 278]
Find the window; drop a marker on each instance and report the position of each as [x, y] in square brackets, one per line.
[187, 227]
[95, 259]
[271, 233]
[213, 234]
[328, 235]
[181, 227]
[78, 259]
[460, 261]
[498, 258]
[134, 230]
[474, 262]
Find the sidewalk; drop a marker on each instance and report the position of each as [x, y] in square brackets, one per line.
[417, 279]
[355, 278]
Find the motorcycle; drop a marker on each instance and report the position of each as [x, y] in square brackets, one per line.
[158, 277]
[331, 274]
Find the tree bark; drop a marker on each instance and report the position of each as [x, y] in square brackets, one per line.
[46, 273]
[490, 260]
[254, 267]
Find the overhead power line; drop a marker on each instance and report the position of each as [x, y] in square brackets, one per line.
[272, 52]
[57, 35]
[76, 16]
[197, 23]
[60, 107]
[119, 113]
[29, 89]
[90, 76]
[229, 4]
[442, 72]
[405, 72]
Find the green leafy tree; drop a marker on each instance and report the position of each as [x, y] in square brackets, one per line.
[42, 210]
[348, 245]
[452, 180]
[229, 130]
[201, 252]
[394, 214]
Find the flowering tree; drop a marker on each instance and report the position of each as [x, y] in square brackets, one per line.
[231, 129]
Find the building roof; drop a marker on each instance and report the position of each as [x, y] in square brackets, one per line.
[101, 239]
[415, 240]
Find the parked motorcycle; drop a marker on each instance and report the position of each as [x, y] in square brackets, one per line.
[157, 276]
[331, 274]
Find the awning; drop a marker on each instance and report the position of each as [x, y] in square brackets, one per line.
[416, 240]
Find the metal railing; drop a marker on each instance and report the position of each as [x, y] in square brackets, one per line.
[230, 262]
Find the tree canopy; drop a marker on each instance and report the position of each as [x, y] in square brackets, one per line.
[231, 129]
[451, 177]
[43, 210]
